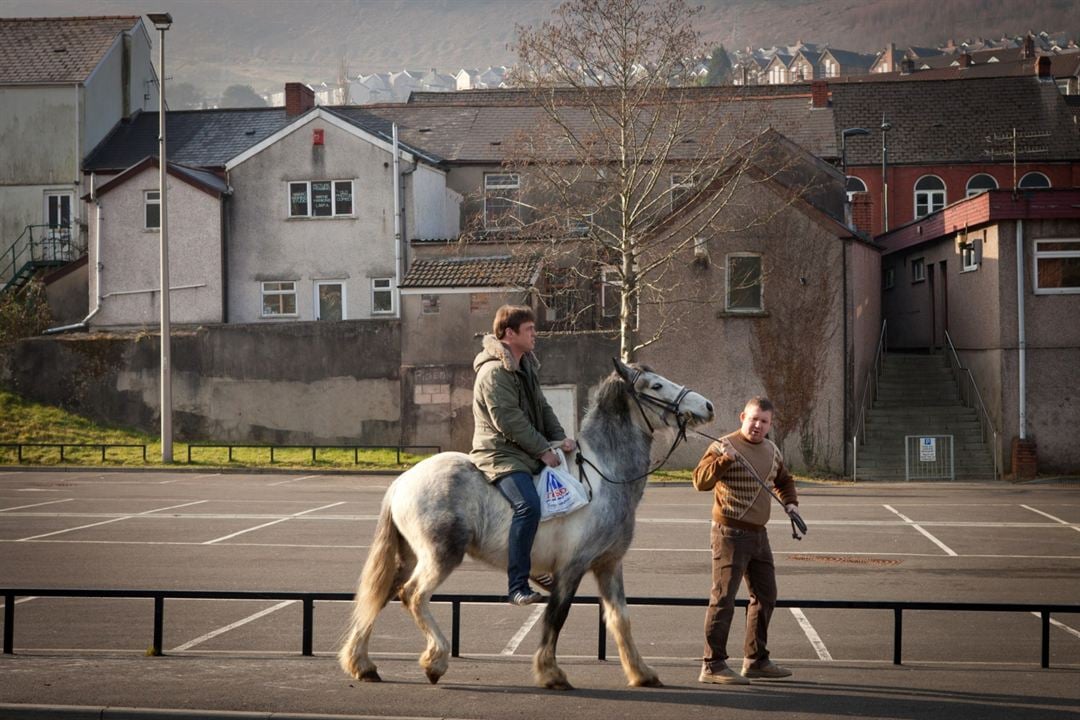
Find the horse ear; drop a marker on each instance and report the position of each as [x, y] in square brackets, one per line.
[623, 371]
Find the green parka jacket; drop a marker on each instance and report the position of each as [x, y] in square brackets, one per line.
[513, 425]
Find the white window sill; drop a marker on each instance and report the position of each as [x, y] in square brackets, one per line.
[742, 313]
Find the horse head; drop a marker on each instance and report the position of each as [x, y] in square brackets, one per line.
[667, 400]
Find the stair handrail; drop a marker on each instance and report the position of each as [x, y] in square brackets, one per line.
[870, 392]
[989, 432]
[61, 245]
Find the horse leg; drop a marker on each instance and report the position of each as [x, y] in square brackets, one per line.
[416, 594]
[610, 580]
[545, 669]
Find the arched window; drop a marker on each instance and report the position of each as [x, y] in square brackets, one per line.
[1034, 180]
[980, 182]
[929, 195]
[854, 185]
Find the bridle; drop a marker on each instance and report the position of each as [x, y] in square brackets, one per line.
[667, 408]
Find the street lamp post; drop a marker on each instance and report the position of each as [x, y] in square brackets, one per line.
[162, 22]
[885, 127]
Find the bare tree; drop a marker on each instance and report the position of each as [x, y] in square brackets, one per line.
[627, 165]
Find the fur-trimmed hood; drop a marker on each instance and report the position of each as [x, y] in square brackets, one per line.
[496, 351]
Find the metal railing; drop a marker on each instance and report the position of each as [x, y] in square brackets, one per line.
[315, 448]
[972, 398]
[929, 457]
[38, 245]
[308, 600]
[62, 446]
[870, 391]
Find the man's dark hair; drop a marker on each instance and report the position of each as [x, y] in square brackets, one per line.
[510, 317]
[761, 402]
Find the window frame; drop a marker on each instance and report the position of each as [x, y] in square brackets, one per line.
[149, 203]
[918, 270]
[330, 281]
[971, 255]
[491, 223]
[888, 279]
[375, 289]
[931, 193]
[309, 203]
[279, 292]
[1038, 255]
[1020, 185]
[728, 308]
[969, 192]
[61, 196]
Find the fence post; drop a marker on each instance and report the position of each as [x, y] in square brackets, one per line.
[455, 628]
[309, 612]
[159, 623]
[601, 635]
[1046, 638]
[898, 634]
[9, 624]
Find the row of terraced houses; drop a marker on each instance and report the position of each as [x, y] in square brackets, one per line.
[925, 281]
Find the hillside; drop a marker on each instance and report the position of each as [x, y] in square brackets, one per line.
[265, 43]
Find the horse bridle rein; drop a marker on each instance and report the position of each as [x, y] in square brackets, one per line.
[667, 407]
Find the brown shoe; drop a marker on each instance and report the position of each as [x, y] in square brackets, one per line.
[723, 676]
[767, 670]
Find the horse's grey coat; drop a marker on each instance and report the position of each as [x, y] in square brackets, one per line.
[443, 508]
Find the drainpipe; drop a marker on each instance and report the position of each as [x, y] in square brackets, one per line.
[398, 274]
[97, 268]
[1021, 335]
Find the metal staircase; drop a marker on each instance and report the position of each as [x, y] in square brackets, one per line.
[38, 247]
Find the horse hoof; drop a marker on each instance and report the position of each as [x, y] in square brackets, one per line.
[432, 676]
[370, 676]
[558, 685]
[652, 682]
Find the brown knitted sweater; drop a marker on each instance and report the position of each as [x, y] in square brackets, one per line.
[740, 501]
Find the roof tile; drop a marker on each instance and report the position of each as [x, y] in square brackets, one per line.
[56, 50]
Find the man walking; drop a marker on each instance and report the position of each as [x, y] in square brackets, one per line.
[740, 544]
[514, 430]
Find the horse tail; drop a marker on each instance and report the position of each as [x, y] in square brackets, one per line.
[380, 579]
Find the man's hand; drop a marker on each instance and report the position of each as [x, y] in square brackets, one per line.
[723, 449]
[568, 445]
[798, 526]
[550, 459]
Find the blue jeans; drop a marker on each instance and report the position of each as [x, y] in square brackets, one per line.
[518, 489]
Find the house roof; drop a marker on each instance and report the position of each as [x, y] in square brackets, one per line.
[1008, 63]
[208, 182]
[949, 121]
[987, 207]
[850, 59]
[41, 50]
[478, 126]
[196, 138]
[474, 272]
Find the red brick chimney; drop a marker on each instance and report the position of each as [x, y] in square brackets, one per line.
[299, 98]
[1042, 68]
[1029, 47]
[819, 94]
[964, 60]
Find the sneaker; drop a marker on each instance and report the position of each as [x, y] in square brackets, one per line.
[767, 670]
[724, 676]
[545, 582]
[525, 597]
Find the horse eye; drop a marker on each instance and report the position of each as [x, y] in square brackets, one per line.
[657, 386]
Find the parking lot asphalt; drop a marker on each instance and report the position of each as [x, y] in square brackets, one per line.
[309, 532]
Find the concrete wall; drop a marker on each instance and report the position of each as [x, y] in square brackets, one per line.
[129, 276]
[66, 289]
[265, 244]
[433, 211]
[332, 383]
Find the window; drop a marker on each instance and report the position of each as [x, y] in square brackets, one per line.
[929, 195]
[980, 182]
[610, 292]
[58, 210]
[501, 201]
[970, 254]
[682, 190]
[382, 296]
[854, 186]
[429, 304]
[831, 68]
[918, 270]
[279, 299]
[321, 198]
[743, 283]
[152, 209]
[888, 278]
[329, 300]
[777, 74]
[1057, 266]
[1034, 181]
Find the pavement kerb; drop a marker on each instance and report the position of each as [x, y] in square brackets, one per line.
[15, 711]
[201, 469]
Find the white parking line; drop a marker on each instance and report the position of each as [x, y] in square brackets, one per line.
[272, 522]
[105, 522]
[189, 477]
[811, 634]
[292, 480]
[1055, 519]
[20, 601]
[23, 507]
[512, 646]
[913, 524]
[222, 630]
[1061, 625]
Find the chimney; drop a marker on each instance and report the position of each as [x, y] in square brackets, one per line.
[819, 94]
[299, 98]
[965, 60]
[1029, 47]
[890, 52]
[907, 66]
[1042, 68]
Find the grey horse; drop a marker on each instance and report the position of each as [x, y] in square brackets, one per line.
[444, 508]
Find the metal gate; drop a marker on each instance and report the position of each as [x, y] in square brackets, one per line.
[929, 457]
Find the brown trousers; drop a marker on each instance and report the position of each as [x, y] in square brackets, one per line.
[738, 554]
